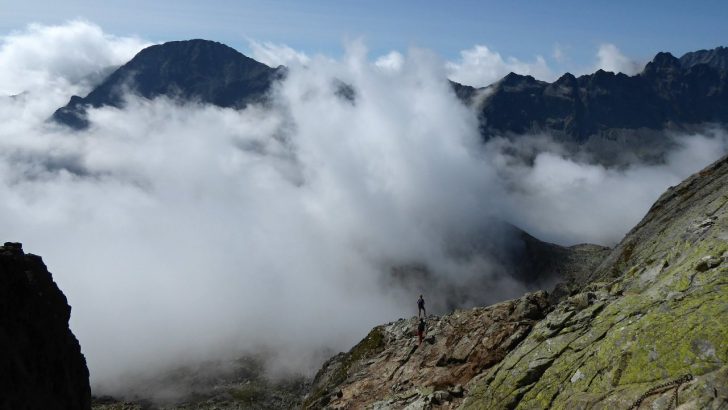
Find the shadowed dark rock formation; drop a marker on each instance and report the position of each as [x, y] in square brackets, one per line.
[611, 116]
[690, 90]
[41, 365]
[192, 70]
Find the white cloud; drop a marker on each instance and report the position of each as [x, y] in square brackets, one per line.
[181, 232]
[559, 54]
[274, 55]
[480, 66]
[610, 58]
[562, 200]
[67, 57]
[391, 61]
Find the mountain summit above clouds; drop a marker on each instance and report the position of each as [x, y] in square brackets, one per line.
[604, 112]
[608, 114]
[196, 70]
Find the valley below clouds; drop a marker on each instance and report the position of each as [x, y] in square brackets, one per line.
[184, 232]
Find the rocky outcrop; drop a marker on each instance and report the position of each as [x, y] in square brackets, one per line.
[41, 365]
[388, 369]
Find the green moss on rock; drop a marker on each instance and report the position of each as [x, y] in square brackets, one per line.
[664, 316]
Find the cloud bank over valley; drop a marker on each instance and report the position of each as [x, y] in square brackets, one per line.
[182, 231]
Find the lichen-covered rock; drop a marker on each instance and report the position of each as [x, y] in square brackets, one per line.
[646, 327]
[388, 369]
[41, 365]
[657, 316]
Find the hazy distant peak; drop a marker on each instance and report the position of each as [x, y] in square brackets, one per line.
[716, 58]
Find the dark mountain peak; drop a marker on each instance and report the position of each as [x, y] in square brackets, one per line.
[663, 63]
[196, 51]
[510, 77]
[566, 79]
[716, 58]
[664, 56]
[606, 79]
[195, 70]
[601, 75]
[517, 79]
[608, 114]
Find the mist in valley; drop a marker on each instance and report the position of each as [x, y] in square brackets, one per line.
[182, 232]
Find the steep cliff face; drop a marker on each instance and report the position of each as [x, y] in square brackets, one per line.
[648, 327]
[41, 365]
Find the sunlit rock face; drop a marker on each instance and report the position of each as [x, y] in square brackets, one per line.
[650, 320]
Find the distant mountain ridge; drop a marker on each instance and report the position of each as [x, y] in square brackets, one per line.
[197, 70]
[716, 58]
[605, 114]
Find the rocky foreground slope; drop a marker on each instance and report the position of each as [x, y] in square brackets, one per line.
[242, 383]
[41, 365]
[648, 328]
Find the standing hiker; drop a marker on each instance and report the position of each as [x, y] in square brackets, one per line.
[421, 331]
[421, 307]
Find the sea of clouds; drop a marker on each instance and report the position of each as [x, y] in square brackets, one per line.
[183, 232]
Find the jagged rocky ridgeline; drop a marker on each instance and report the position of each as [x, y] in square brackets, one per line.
[651, 321]
[612, 117]
[41, 365]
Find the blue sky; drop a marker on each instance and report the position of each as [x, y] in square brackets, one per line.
[520, 29]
